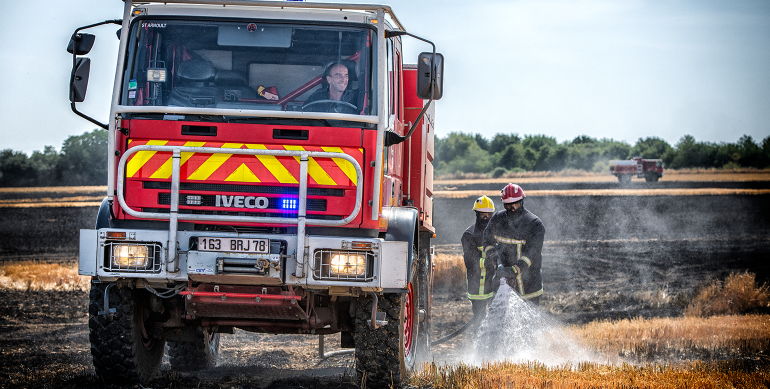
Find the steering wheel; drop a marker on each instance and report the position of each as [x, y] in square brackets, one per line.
[340, 102]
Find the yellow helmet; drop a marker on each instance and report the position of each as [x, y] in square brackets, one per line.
[484, 204]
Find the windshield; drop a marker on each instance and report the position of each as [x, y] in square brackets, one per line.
[249, 66]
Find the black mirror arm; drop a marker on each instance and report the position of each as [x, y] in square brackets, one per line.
[74, 62]
[90, 119]
[391, 138]
[76, 37]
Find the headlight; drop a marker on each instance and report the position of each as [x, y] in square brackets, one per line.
[136, 257]
[343, 265]
[129, 256]
[348, 265]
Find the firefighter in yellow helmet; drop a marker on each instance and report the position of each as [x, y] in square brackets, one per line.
[478, 272]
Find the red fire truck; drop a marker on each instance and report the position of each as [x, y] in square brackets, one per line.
[649, 169]
[270, 171]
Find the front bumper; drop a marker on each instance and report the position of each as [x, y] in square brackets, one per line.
[374, 264]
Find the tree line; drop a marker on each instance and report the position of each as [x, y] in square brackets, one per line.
[83, 158]
[468, 153]
[82, 161]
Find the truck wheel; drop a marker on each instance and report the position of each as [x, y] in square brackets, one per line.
[386, 356]
[201, 353]
[424, 301]
[122, 348]
[624, 178]
[651, 178]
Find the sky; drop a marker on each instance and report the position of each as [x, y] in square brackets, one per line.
[563, 68]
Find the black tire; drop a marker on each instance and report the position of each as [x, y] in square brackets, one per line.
[381, 360]
[624, 179]
[386, 357]
[651, 177]
[122, 348]
[201, 353]
[425, 299]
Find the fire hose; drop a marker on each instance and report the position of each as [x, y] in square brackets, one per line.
[433, 343]
[454, 334]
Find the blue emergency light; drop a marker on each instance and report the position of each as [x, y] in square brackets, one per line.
[289, 204]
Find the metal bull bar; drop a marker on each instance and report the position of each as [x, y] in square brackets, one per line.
[174, 216]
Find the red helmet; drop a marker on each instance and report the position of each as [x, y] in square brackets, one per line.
[512, 193]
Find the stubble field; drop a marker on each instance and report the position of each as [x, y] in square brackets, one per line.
[610, 260]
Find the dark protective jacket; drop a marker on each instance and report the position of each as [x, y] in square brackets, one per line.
[478, 273]
[516, 239]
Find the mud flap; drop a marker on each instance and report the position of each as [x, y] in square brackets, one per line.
[402, 226]
[87, 253]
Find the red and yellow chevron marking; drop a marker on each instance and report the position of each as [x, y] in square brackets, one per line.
[243, 168]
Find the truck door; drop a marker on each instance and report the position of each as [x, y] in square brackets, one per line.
[393, 155]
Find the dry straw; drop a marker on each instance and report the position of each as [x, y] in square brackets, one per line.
[33, 275]
[588, 375]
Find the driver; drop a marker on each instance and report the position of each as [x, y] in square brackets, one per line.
[336, 90]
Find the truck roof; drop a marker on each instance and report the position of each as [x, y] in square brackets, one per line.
[287, 8]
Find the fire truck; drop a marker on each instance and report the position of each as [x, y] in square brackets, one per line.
[649, 169]
[270, 171]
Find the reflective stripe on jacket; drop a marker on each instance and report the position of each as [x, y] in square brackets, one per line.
[479, 272]
[516, 239]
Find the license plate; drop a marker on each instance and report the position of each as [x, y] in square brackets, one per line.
[237, 245]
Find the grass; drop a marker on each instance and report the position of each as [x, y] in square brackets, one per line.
[55, 189]
[713, 338]
[571, 175]
[737, 294]
[588, 375]
[34, 275]
[449, 274]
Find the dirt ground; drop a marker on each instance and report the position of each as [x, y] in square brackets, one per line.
[605, 257]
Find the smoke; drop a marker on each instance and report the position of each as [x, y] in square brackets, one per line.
[517, 331]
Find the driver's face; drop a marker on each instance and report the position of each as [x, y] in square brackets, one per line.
[338, 79]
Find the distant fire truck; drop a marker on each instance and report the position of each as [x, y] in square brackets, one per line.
[649, 169]
[270, 171]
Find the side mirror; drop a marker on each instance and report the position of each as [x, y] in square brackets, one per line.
[79, 80]
[81, 44]
[427, 76]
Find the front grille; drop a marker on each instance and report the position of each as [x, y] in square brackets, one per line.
[267, 189]
[150, 256]
[252, 214]
[210, 201]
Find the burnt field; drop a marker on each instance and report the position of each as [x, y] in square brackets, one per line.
[605, 257]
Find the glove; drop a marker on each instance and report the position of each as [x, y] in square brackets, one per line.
[506, 272]
[491, 256]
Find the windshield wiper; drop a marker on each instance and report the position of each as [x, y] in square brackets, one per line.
[281, 121]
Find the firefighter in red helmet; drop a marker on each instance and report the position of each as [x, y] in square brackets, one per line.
[478, 272]
[514, 240]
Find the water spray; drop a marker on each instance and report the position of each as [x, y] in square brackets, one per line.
[517, 330]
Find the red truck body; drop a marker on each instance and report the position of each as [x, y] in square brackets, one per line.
[649, 169]
[227, 209]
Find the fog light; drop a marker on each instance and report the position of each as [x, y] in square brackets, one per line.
[348, 265]
[129, 256]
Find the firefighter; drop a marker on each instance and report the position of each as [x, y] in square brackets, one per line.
[478, 272]
[514, 240]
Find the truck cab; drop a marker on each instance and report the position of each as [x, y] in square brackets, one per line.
[270, 172]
